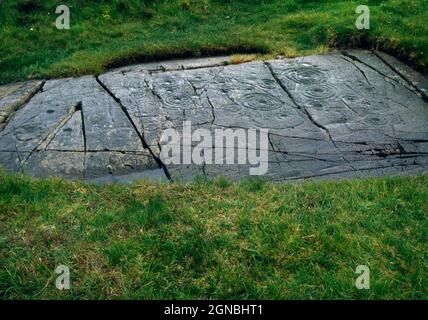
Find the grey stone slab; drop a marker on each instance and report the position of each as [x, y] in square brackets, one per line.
[180, 100]
[72, 115]
[158, 102]
[248, 96]
[156, 175]
[406, 73]
[106, 125]
[12, 160]
[145, 108]
[420, 147]
[371, 60]
[32, 124]
[70, 136]
[303, 145]
[300, 167]
[14, 96]
[45, 164]
[104, 164]
[354, 103]
[342, 115]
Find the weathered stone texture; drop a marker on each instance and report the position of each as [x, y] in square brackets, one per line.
[341, 115]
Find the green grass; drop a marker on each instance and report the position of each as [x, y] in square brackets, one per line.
[116, 32]
[251, 240]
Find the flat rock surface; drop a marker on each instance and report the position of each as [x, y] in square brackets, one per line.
[341, 115]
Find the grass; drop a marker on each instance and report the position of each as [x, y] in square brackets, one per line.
[116, 32]
[219, 240]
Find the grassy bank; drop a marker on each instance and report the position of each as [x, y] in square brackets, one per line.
[214, 239]
[115, 32]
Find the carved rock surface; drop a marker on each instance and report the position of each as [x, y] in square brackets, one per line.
[14, 96]
[341, 115]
